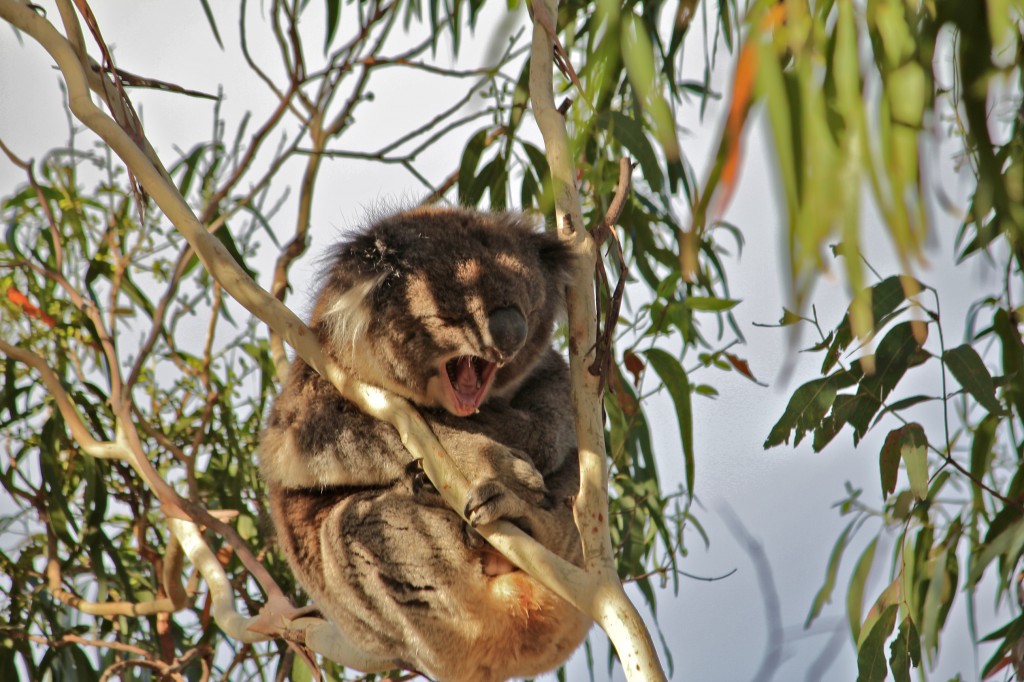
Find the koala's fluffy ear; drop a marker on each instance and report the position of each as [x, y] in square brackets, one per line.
[371, 254]
[358, 269]
[555, 256]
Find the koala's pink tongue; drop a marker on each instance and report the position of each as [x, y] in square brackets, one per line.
[467, 380]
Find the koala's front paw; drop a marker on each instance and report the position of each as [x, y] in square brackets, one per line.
[491, 501]
[510, 466]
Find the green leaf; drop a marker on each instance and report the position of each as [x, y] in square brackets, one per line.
[905, 651]
[631, 135]
[968, 369]
[484, 180]
[1005, 537]
[189, 165]
[225, 237]
[899, 659]
[939, 597]
[855, 591]
[709, 303]
[886, 296]
[638, 58]
[1012, 354]
[1011, 634]
[789, 317]
[981, 455]
[898, 351]
[910, 444]
[903, 404]
[889, 462]
[545, 195]
[498, 183]
[782, 114]
[8, 668]
[333, 19]
[678, 384]
[212, 22]
[470, 161]
[871, 654]
[300, 670]
[824, 595]
[805, 411]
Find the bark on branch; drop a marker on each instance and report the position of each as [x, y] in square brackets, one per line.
[609, 605]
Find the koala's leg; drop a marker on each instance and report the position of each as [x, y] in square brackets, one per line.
[400, 579]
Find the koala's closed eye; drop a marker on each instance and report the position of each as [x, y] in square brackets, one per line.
[366, 534]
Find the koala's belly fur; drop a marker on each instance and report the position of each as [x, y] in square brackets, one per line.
[453, 310]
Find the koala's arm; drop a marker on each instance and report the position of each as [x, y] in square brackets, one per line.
[315, 439]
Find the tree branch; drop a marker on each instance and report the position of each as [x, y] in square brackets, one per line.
[609, 605]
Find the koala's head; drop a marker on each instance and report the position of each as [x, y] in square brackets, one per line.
[445, 307]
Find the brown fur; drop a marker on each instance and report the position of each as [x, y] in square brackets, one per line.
[404, 305]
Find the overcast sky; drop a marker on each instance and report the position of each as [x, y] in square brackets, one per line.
[716, 630]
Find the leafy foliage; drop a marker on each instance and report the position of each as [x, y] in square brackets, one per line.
[893, 329]
[108, 297]
[943, 534]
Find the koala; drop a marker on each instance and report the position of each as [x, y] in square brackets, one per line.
[452, 309]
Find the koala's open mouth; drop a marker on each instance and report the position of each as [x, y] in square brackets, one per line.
[465, 380]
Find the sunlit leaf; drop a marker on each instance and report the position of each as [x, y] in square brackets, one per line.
[942, 587]
[855, 590]
[910, 444]
[709, 303]
[638, 57]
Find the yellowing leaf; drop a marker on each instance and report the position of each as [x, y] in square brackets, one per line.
[913, 449]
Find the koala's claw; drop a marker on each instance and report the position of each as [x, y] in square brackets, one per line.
[485, 503]
[419, 483]
[491, 501]
[471, 538]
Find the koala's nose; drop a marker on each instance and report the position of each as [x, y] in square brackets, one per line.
[508, 330]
